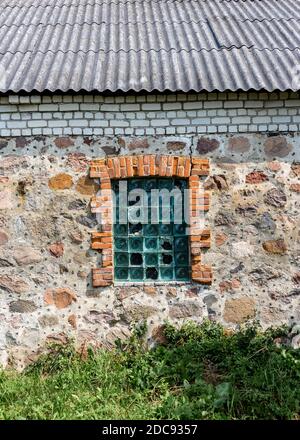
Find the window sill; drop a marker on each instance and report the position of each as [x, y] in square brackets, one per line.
[150, 283]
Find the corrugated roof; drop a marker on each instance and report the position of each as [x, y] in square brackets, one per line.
[102, 45]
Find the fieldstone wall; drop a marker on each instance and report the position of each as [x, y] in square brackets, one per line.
[46, 260]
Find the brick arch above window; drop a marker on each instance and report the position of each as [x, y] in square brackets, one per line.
[125, 167]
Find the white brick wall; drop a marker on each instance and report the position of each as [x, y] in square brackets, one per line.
[152, 114]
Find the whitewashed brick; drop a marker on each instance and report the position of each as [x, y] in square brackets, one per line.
[69, 107]
[151, 107]
[36, 124]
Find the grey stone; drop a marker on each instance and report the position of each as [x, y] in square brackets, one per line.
[265, 223]
[209, 300]
[275, 197]
[26, 255]
[263, 274]
[89, 221]
[224, 218]
[77, 204]
[185, 309]
[22, 306]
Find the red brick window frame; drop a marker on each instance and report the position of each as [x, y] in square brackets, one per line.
[124, 167]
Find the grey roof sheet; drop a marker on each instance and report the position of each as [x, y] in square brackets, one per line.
[102, 45]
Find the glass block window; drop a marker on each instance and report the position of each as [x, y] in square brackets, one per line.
[150, 241]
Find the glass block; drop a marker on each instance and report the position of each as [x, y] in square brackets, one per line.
[121, 259]
[165, 229]
[166, 273]
[181, 259]
[151, 273]
[135, 228]
[121, 273]
[122, 215]
[136, 243]
[120, 229]
[166, 244]
[179, 229]
[182, 273]
[166, 214]
[181, 244]
[135, 184]
[121, 244]
[150, 184]
[151, 244]
[151, 259]
[166, 259]
[153, 214]
[136, 259]
[150, 230]
[136, 273]
[165, 184]
[180, 184]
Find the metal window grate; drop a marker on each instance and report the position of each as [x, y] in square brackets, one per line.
[149, 243]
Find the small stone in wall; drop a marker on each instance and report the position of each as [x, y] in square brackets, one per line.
[256, 177]
[274, 166]
[185, 309]
[3, 238]
[13, 284]
[77, 204]
[56, 249]
[72, 321]
[238, 144]
[76, 237]
[239, 310]
[241, 249]
[175, 145]
[296, 278]
[210, 300]
[77, 161]
[25, 255]
[21, 142]
[138, 312]
[121, 333]
[295, 187]
[275, 246]
[220, 239]
[87, 186]
[64, 142]
[216, 182]
[275, 197]
[135, 143]
[48, 320]
[7, 200]
[226, 286]
[295, 169]
[12, 163]
[90, 221]
[60, 181]
[22, 306]
[265, 223]
[60, 297]
[277, 146]
[206, 145]
[224, 218]
[3, 144]
[150, 290]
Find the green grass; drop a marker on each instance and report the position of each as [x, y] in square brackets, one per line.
[199, 373]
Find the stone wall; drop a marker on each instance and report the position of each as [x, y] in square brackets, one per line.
[46, 259]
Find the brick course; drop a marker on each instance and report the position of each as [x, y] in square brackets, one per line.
[140, 115]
